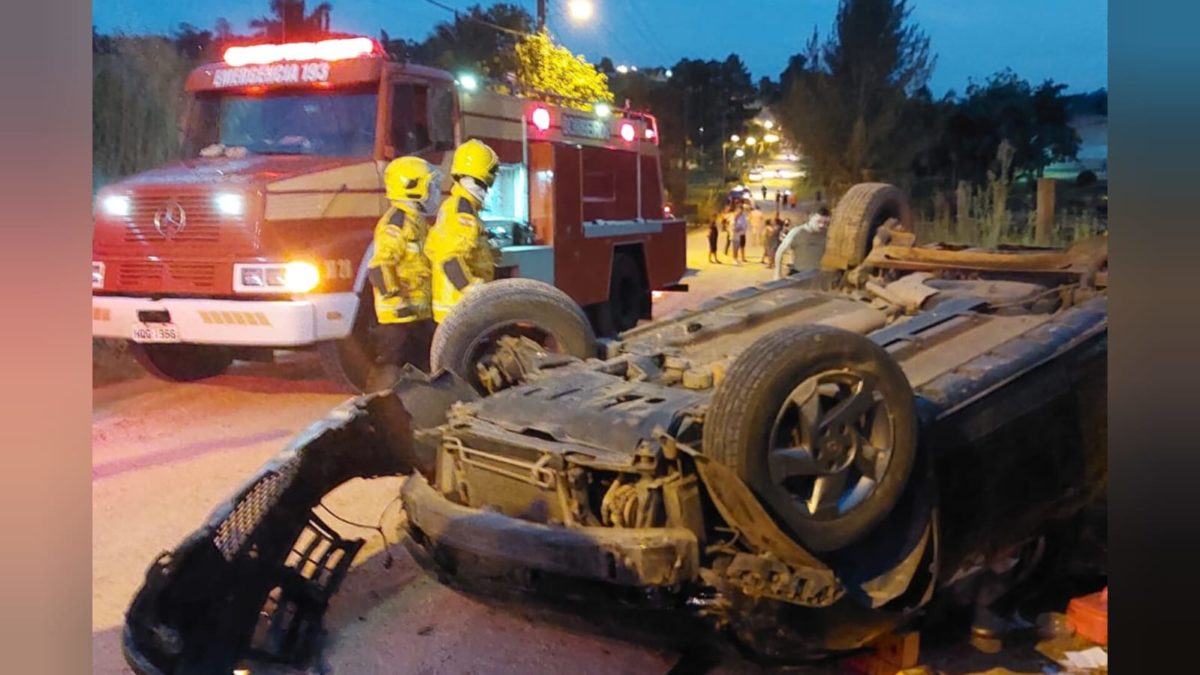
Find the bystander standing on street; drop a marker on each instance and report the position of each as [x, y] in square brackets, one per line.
[774, 228]
[713, 232]
[740, 223]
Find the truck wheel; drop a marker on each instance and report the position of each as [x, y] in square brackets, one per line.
[182, 362]
[348, 361]
[504, 307]
[859, 213]
[628, 295]
[821, 424]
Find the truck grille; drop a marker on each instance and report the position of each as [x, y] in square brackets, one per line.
[202, 223]
[171, 277]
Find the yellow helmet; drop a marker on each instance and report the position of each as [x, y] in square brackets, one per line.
[409, 179]
[477, 160]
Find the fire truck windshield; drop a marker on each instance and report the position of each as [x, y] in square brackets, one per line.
[337, 123]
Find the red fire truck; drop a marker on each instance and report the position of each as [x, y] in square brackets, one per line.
[258, 238]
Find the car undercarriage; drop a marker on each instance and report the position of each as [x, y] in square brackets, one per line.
[803, 464]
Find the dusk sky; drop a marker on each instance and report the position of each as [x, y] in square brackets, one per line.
[1064, 40]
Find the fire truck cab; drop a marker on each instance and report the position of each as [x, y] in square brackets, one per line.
[258, 238]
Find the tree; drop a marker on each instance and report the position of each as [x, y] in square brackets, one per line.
[137, 92]
[1006, 108]
[289, 20]
[478, 39]
[550, 71]
[852, 101]
[192, 43]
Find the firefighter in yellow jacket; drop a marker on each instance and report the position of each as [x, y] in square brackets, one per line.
[458, 249]
[399, 271]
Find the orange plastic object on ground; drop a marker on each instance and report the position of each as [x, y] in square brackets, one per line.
[1088, 616]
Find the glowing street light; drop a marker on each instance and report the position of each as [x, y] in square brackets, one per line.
[768, 125]
[740, 153]
[580, 10]
[750, 140]
[770, 138]
[622, 69]
[468, 82]
[735, 139]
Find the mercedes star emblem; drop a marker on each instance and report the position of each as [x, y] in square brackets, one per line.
[170, 219]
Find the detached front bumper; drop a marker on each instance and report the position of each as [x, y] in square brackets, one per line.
[642, 557]
[251, 323]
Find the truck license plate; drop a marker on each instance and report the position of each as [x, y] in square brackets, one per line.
[155, 332]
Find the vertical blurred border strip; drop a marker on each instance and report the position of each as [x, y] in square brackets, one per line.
[45, 196]
[1153, 387]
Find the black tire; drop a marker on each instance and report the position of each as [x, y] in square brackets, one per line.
[628, 296]
[348, 362]
[858, 215]
[525, 306]
[182, 362]
[753, 406]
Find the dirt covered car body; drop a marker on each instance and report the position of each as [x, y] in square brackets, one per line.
[803, 463]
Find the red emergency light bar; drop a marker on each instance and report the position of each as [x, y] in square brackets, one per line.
[325, 50]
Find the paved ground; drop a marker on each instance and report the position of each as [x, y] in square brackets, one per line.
[164, 454]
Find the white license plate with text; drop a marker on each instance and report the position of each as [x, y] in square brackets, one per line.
[155, 332]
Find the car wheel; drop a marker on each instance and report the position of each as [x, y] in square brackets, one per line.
[509, 307]
[348, 362]
[182, 362]
[627, 293]
[821, 424]
[858, 215]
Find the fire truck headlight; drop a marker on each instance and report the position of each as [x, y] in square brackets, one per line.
[253, 277]
[301, 277]
[116, 205]
[230, 204]
[97, 274]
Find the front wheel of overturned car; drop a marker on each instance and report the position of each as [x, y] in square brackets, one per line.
[182, 362]
[520, 308]
[821, 423]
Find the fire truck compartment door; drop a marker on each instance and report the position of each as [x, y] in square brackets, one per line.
[532, 262]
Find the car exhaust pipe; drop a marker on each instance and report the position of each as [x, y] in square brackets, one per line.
[254, 581]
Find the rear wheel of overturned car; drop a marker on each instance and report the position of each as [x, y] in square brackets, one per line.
[821, 424]
[856, 219]
[522, 308]
[182, 362]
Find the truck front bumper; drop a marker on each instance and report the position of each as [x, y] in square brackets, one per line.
[496, 543]
[253, 323]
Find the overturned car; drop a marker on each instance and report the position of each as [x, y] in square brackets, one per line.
[803, 463]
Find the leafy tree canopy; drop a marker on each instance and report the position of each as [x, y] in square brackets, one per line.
[549, 70]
